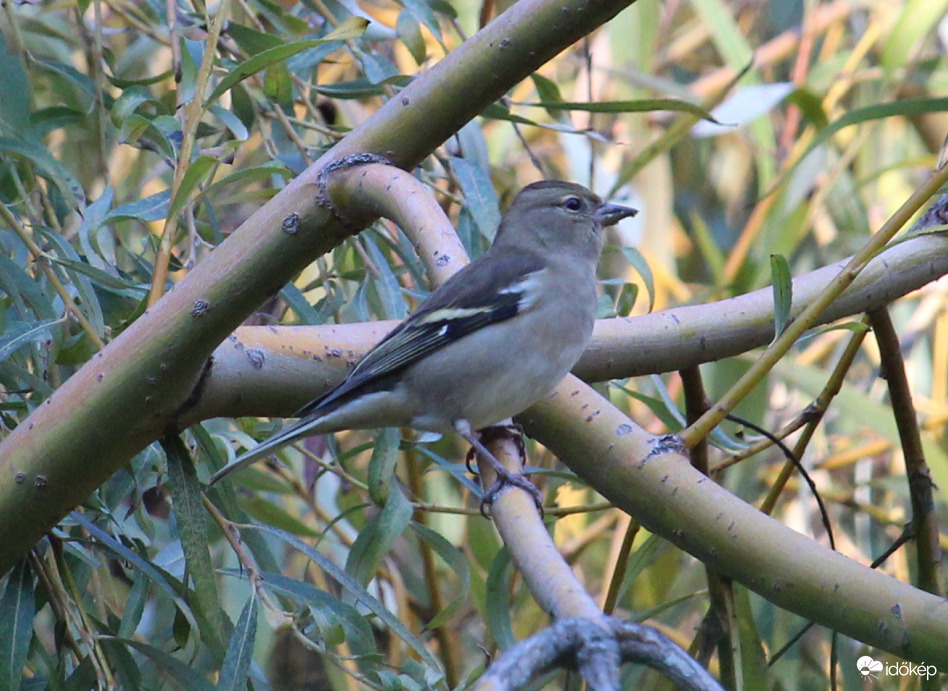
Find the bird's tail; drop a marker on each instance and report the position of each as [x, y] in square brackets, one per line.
[301, 428]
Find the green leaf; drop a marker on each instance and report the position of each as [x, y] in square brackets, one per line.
[159, 133]
[811, 104]
[916, 19]
[479, 195]
[352, 28]
[386, 284]
[170, 666]
[639, 263]
[15, 87]
[134, 607]
[82, 82]
[496, 111]
[271, 513]
[382, 465]
[378, 536]
[231, 122]
[236, 668]
[409, 31]
[297, 302]
[638, 106]
[128, 103]
[29, 295]
[498, 601]
[783, 292]
[358, 592]
[645, 555]
[378, 69]
[128, 674]
[17, 607]
[424, 12]
[192, 531]
[116, 284]
[44, 121]
[151, 208]
[88, 301]
[250, 40]
[93, 218]
[549, 92]
[753, 659]
[192, 178]
[909, 108]
[357, 88]
[160, 577]
[40, 157]
[457, 562]
[278, 85]
[264, 173]
[84, 677]
[144, 81]
[19, 333]
[329, 612]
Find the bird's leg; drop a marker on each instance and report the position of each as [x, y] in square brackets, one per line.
[514, 429]
[505, 478]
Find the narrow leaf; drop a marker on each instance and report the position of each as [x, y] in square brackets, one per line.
[180, 672]
[361, 595]
[639, 263]
[378, 536]
[353, 27]
[192, 177]
[192, 531]
[40, 157]
[19, 334]
[17, 607]
[638, 106]
[151, 208]
[783, 292]
[753, 659]
[236, 667]
[479, 195]
[457, 562]
[15, 87]
[498, 601]
[382, 464]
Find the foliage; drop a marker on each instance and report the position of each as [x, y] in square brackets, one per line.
[130, 149]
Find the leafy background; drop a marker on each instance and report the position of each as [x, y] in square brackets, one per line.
[112, 190]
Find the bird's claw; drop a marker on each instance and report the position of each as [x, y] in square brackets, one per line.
[505, 480]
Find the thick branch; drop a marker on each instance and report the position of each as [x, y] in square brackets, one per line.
[285, 372]
[671, 498]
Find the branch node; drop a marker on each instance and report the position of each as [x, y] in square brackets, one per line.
[322, 181]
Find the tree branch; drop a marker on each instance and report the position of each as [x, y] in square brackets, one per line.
[624, 347]
[653, 480]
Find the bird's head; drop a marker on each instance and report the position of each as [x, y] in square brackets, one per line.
[559, 214]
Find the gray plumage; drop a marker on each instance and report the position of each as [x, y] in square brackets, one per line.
[491, 341]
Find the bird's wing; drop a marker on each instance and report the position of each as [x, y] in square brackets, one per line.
[470, 300]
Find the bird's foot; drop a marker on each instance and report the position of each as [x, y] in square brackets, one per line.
[505, 477]
[505, 480]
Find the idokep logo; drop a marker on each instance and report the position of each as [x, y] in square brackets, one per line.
[869, 667]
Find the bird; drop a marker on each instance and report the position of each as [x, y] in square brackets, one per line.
[487, 344]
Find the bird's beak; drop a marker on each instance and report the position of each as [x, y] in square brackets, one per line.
[610, 214]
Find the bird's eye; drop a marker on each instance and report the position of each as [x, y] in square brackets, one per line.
[573, 204]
